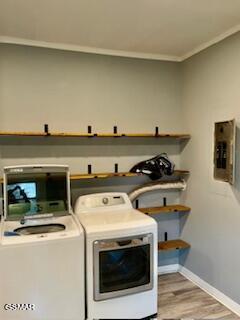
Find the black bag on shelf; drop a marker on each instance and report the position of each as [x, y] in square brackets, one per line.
[155, 167]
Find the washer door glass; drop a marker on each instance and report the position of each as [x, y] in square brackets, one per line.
[45, 228]
[124, 268]
[35, 193]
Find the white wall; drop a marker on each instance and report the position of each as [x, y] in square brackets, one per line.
[211, 82]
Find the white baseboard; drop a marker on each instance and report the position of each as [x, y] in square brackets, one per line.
[215, 293]
[171, 268]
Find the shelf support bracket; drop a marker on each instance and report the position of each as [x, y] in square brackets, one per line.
[46, 130]
[89, 169]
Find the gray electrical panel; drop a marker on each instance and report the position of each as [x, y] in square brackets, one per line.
[224, 151]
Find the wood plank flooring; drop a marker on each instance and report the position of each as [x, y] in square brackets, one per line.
[179, 298]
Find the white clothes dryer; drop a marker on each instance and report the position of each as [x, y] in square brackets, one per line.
[41, 248]
[121, 258]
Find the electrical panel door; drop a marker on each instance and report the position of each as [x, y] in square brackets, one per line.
[224, 151]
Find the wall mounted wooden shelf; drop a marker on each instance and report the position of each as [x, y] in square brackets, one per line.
[113, 175]
[118, 174]
[91, 135]
[102, 175]
[173, 245]
[165, 209]
[22, 134]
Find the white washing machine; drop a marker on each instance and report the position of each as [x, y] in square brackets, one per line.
[121, 258]
[42, 273]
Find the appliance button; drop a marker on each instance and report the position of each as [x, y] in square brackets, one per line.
[105, 200]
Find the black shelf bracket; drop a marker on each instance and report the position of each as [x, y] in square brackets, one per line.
[165, 236]
[137, 204]
[164, 201]
[46, 130]
[90, 132]
[89, 169]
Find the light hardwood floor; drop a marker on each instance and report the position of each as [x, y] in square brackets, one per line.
[179, 298]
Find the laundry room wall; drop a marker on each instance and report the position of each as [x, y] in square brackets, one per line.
[211, 93]
[69, 91]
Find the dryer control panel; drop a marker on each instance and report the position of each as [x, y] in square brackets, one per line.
[102, 201]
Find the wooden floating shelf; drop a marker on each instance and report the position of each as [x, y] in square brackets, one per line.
[95, 135]
[173, 245]
[118, 174]
[113, 175]
[102, 175]
[23, 134]
[165, 209]
[70, 135]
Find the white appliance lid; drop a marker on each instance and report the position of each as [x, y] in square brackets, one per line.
[99, 216]
[122, 221]
[36, 190]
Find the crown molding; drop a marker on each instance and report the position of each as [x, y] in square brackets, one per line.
[77, 48]
[210, 43]
[120, 53]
